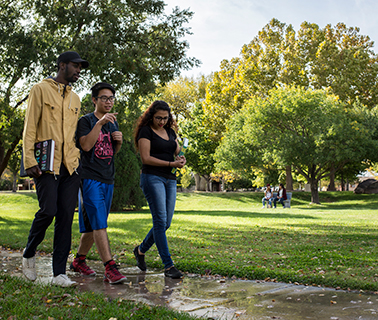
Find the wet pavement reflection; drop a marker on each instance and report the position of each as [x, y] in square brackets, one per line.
[215, 297]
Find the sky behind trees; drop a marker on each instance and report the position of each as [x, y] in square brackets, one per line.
[221, 27]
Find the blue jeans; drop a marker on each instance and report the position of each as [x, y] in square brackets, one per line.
[281, 200]
[269, 201]
[161, 197]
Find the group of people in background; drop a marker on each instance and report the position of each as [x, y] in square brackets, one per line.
[271, 198]
[84, 166]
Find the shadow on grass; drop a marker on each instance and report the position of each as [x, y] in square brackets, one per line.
[139, 211]
[12, 222]
[29, 194]
[246, 214]
[369, 204]
[5, 221]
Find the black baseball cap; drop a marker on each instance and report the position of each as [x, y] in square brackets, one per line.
[101, 85]
[72, 56]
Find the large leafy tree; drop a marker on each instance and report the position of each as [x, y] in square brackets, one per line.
[131, 44]
[307, 129]
[200, 153]
[335, 58]
[182, 93]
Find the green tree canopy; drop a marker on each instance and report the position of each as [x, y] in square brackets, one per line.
[182, 93]
[131, 44]
[335, 58]
[307, 129]
[200, 153]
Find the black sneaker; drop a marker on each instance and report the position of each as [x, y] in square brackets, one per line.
[140, 259]
[173, 273]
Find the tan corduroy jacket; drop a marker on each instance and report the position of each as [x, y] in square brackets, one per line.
[52, 113]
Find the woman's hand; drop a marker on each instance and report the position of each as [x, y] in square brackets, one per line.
[179, 162]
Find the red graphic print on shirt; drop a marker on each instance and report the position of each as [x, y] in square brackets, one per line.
[104, 147]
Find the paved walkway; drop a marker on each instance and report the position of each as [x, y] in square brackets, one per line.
[216, 298]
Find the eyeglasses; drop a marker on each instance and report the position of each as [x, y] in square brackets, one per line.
[105, 98]
[162, 119]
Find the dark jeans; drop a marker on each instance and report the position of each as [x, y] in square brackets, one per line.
[281, 200]
[57, 198]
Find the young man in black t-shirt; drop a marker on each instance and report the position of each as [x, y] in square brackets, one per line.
[99, 140]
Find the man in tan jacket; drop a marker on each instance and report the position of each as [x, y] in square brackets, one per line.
[52, 113]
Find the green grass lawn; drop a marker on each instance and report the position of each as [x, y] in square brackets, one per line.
[332, 244]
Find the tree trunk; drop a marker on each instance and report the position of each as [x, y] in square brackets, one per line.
[14, 188]
[314, 191]
[6, 154]
[331, 186]
[289, 179]
[201, 183]
[347, 185]
[197, 179]
[207, 179]
[342, 183]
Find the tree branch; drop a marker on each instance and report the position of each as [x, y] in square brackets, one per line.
[21, 102]
[302, 172]
[4, 162]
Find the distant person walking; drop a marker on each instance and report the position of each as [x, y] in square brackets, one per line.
[52, 113]
[156, 140]
[99, 139]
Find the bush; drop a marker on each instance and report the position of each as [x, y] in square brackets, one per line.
[185, 178]
[239, 184]
[5, 184]
[127, 193]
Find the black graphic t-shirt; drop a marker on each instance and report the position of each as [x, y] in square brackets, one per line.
[161, 149]
[98, 163]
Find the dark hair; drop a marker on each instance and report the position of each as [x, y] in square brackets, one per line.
[281, 184]
[146, 118]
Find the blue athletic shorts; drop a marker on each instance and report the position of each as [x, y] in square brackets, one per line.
[95, 199]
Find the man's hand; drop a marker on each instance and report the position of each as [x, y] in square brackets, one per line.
[117, 136]
[34, 172]
[108, 117]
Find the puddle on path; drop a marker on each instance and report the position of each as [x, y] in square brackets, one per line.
[216, 298]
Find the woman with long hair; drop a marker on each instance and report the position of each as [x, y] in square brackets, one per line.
[281, 196]
[156, 141]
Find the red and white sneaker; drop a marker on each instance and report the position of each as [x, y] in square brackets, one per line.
[112, 275]
[79, 265]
